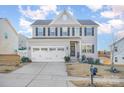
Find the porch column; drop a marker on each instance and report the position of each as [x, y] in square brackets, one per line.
[80, 49]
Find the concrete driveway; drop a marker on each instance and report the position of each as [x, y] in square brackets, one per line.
[36, 75]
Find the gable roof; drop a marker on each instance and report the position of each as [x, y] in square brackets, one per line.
[8, 22]
[117, 41]
[47, 22]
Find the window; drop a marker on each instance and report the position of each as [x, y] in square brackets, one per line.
[89, 31]
[52, 31]
[116, 49]
[77, 31]
[64, 17]
[6, 35]
[87, 48]
[52, 49]
[44, 49]
[64, 31]
[40, 31]
[35, 49]
[116, 59]
[60, 49]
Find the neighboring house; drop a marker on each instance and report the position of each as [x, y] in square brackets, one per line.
[8, 38]
[23, 43]
[105, 57]
[52, 40]
[117, 49]
[104, 54]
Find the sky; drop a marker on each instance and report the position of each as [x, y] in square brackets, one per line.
[110, 18]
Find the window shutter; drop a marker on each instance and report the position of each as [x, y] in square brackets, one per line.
[48, 31]
[85, 31]
[73, 31]
[56, 31]
[92, 31]
[44, 31]
[80, 31]
[36, 31]
[61, 31]
[92, 48]
[68, 31]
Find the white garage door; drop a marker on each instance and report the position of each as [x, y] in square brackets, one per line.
[48, 54]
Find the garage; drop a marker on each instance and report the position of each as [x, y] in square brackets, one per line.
[47, 53]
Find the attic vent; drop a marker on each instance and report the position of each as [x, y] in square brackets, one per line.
[64, 17]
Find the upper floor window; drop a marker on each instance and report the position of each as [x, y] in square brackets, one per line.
[77, 30]
[89, 31]
[40, 31]
[116, 49]
[64, 32]
[52, 31]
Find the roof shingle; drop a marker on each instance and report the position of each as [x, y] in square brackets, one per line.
[47, 22]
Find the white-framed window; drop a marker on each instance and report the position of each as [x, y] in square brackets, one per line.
[77, 30]
[89, 31]
[116, 49]
[64, 17]
[88, 48]
[64, 31]
[60, 49]
[116, 59]
[52, 49]
[52, 31]
[35, 49]
[44, 49]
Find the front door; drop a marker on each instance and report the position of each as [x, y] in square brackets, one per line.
[72, 48]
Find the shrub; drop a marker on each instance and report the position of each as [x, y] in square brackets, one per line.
[83, 58]
[25, 59]
[97, 62]
[67, 58]
[90, 60]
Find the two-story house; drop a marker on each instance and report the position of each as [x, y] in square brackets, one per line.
[117, 50]
[52, 40]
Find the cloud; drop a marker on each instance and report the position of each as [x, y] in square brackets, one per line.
[114, 11]
[95, 8]
[116, 23]
[120, 34]
[109, 14]
[104, 28]
[39, 13]
[24, 24]
[28, 15]
[70, 10]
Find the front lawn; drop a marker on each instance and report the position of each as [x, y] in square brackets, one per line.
[9, 68]
[83, 70]
[85, 83]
